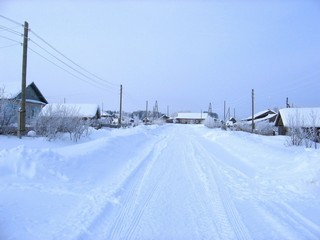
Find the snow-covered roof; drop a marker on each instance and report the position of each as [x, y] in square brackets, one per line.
[78, 110]
[268, 114]
[266, 117]
[299, 117]
[192, 115]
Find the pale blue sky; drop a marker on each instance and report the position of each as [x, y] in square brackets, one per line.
[184, 54]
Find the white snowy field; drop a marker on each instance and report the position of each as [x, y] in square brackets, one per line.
[159, 182]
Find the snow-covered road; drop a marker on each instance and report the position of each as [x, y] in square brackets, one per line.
[167, 182]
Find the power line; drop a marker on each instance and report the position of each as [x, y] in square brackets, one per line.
[63, 55]
[10, 39]
[72, 74]
[93, 80]
[12, 45]
[66, 64]
[11, 20]
[10, 30]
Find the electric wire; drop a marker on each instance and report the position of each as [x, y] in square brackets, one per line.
[10, 39]
[68, 65]
[12, 45]
[70, 60]
[89, 77]
[11, 20]
[10, 30]
[69, 72]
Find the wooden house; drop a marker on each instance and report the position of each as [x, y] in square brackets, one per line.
[266, 115]
[304, 118]
[35, 100]
[191, 118]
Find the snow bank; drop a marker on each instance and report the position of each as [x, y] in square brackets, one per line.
[171, 181]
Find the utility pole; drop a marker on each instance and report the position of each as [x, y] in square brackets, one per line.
[252, 110]
[22, 110]
[167, 110]
[234, 113]
[120, 114]
[287, 103]
[210, 109]
[224, 117]
[146, 119]
[156, 111]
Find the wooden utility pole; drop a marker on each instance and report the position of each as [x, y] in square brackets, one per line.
[224, 116]
[287, 103]
[120, 113]
[210, 109]
[22, 110]
[252, 110]
[224, 111]
[146, 119]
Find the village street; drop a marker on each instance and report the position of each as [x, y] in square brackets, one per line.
[161, 182]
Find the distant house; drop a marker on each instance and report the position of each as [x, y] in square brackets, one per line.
[84, 111]
[266, 115]
[297, 117]
[231, 122]
[164, 118]
[34, 98]
[191, 118]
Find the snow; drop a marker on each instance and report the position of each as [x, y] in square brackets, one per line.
[258, 115]
[80, 110]
[192, 115]
[305, 117]
[159, 182]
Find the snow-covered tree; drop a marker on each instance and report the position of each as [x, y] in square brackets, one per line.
[8, 112]
[54, 122]
[212, 122]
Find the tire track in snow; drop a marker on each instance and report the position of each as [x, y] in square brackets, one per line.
[286, 222]
[201, 206]
[229, 220]
[93, 218]
[135, 201]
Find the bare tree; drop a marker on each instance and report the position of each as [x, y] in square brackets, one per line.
[295, 130]
[8, 113]
[54, 122]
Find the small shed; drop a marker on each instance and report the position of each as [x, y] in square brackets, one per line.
[297, 117]
[191, 118]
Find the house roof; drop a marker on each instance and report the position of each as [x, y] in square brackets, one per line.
[12, 90]
[299, 117]
[192, 116]
[263, 115]
[76, 110]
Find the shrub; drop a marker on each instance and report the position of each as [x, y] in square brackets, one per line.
[8, 113]
[53, 123]
[211, 122]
